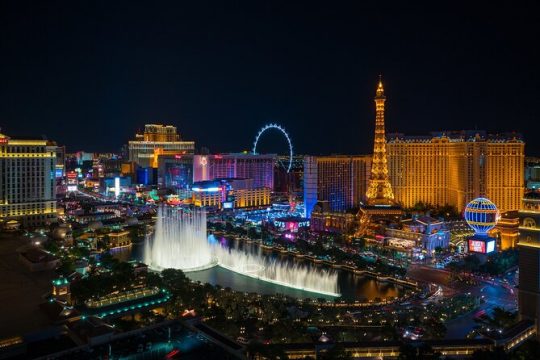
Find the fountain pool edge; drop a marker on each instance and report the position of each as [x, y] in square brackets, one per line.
[210, 265]
[261, 278]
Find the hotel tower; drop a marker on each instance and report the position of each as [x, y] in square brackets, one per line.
[27, 181]
[454, 167]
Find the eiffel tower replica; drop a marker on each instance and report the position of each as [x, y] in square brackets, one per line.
[380, 208]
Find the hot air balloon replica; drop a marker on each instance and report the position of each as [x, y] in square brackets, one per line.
[482, 215]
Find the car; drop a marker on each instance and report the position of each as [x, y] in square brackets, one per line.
[242, 340]
[173, 354]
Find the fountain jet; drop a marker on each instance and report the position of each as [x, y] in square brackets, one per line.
[179, 240]
[294, 275]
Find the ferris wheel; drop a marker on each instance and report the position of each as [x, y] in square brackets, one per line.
[282, 130]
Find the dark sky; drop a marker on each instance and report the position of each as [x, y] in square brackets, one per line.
[89, 74]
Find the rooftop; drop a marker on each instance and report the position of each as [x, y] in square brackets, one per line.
[458, 136]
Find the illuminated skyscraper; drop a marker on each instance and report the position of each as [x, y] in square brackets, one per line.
[159, 133]
[27, 181]
[157, 140]
[532, 172]
[341, 180]
[260, 168]
[529, 259]
[456, 167]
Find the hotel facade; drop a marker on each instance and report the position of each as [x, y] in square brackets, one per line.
[157, 140]
[341, 180]
[27, 181]
[456, 167]
[260, 168]
[529, 259]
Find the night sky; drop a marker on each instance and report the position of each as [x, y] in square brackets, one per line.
[89, 74]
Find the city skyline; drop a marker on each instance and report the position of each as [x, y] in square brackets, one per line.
[269, 180]
[312, 70]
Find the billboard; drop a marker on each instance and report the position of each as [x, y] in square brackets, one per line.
[490, 246]
[477, 246]
[482, 246]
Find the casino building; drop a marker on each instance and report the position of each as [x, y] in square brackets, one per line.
[529, 259]
[454, 167]
[258, 167]
[27, 181]
[422, 232]
[157, 140]
[229, 193]
[340, 180]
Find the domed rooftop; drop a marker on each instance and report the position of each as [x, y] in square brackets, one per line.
[482, 215]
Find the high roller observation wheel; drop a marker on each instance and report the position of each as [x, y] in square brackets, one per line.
[277, 127]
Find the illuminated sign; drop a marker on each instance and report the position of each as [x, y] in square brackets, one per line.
[477, 246]
[117, 186]
[490, 246]
[4, 140]
[482, 246]
[72, 188]
[212, 189]
[227, 205]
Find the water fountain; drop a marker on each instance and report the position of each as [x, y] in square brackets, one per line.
[294, 275]
[179, 240]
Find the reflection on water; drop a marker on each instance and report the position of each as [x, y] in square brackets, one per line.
[352, 287]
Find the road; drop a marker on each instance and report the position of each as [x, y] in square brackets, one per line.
[498, 292]
[494, 296]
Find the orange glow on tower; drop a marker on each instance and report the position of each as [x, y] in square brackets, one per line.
[379, 190]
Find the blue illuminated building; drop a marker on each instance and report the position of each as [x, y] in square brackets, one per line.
[341, 180]
[145, 176]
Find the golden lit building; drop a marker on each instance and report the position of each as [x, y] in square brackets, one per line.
[157, 140]
[507, 230]
[119, 239]
[456, 167]
[210, 198]
[324, 220]
[27, 181]
[230, 193]
[61, 289]
[529, 259]
[159, 133]
[249, 198]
